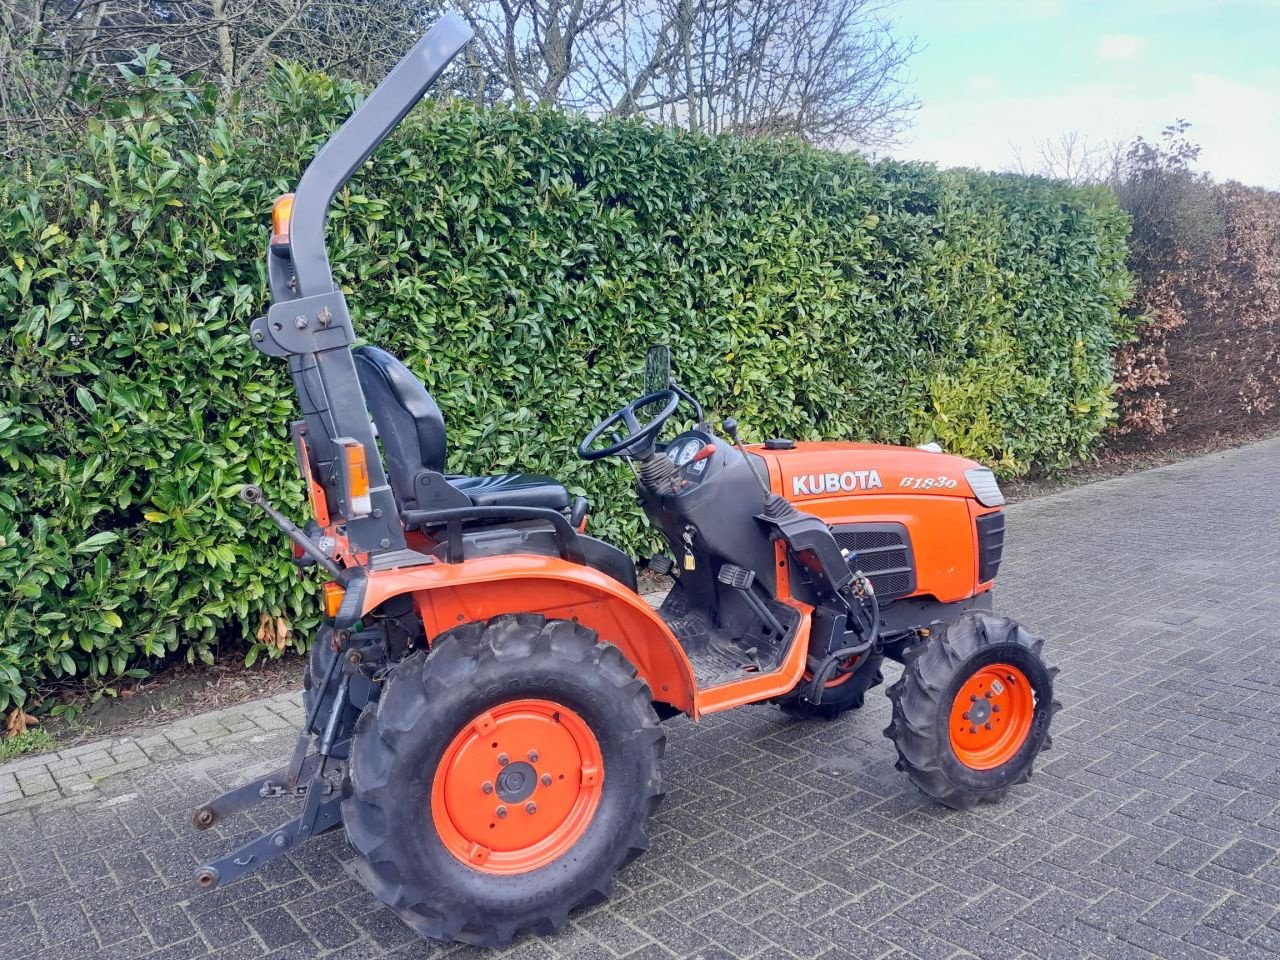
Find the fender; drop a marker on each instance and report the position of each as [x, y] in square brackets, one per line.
[448, 594]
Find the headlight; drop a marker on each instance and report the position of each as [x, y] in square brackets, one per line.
[983, 484]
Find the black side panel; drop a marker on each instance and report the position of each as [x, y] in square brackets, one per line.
[990, 545]
[883, 552]
[533, 536]
[608, 559]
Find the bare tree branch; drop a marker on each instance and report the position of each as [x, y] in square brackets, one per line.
[827, 71]
[823, 70]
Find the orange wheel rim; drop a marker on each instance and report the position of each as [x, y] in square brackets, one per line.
[991, 716]
[838, 678]
[517, 787]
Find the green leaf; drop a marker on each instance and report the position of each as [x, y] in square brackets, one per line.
[96, 542]
[86, 399]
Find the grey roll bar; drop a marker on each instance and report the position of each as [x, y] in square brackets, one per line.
[351, 146]
[308, 321]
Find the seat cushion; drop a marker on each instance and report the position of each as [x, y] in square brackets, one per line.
[513, 490]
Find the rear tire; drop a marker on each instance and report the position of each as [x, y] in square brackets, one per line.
[840, 696]
[318, 659]
[972, 710]
[523, 713]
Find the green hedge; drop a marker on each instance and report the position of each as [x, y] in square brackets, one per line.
[520, 262]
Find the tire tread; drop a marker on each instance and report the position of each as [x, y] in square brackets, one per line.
[381, 735]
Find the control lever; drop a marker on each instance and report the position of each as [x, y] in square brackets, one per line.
[731, 428]
[741, 579]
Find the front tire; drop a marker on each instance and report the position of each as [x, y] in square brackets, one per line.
[846, 692]
[972, 710]
[502, 781]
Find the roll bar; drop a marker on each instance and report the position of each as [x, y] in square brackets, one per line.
[351, 146]
[308, 321]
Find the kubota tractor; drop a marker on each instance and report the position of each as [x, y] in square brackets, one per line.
[484, 701]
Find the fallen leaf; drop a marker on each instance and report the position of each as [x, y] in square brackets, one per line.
[282, 633]
[18, 722]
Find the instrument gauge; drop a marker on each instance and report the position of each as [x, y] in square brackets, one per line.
[684, 453]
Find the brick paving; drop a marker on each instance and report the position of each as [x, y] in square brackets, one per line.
[1151, 829]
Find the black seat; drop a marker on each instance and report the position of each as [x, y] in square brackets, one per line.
[411, 429]
[514, 490]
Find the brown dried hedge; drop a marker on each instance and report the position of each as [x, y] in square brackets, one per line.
[1206, 258]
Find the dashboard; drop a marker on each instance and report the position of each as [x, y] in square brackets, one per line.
[684, 448]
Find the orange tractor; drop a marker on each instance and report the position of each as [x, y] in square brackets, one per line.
[484, 700]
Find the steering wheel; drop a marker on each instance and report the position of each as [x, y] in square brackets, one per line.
[638, 435]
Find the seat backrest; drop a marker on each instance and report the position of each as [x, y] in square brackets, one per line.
[410, 425]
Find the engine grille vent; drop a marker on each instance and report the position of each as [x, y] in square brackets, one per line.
[883, 552]
[990, 545]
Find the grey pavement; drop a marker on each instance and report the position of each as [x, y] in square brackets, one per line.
[1151, 828]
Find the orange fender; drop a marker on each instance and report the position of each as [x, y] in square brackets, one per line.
[448, 594]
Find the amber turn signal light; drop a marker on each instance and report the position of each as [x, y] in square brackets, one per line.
[281, 214]
[333, 594]
[356, 478]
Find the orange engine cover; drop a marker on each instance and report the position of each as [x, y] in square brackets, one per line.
[926, 492]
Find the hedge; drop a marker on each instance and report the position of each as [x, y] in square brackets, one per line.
[1206, 262]
[520, 262]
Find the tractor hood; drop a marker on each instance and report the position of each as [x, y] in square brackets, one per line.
[808, 471]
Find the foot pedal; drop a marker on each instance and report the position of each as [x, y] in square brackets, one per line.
[661, 565]
[732, 575]
[740, 579]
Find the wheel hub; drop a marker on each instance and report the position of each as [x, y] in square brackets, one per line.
[516, 782]
[980, 712]
[991, 716]
[500, 814]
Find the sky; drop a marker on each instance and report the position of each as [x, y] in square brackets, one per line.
[997, 76]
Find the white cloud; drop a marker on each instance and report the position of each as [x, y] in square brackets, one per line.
[1120, 46]
[1237, 124]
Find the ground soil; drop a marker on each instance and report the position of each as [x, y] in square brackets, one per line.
[183, 690]
[176, 691]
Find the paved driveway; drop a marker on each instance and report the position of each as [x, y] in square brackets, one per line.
[1150, 829]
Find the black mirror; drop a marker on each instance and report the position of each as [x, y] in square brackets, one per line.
[657, 369]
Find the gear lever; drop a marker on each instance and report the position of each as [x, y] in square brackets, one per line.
[731, 428]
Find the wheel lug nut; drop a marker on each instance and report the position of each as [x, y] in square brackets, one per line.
[965, 715]
[530, 807]
[501, 812]
[973, 729]
[973, 698]
[533, 756]
[546, 779]
[986, 726]
[503, 759]
[487, 787]
[995, 708]
[987, 694]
